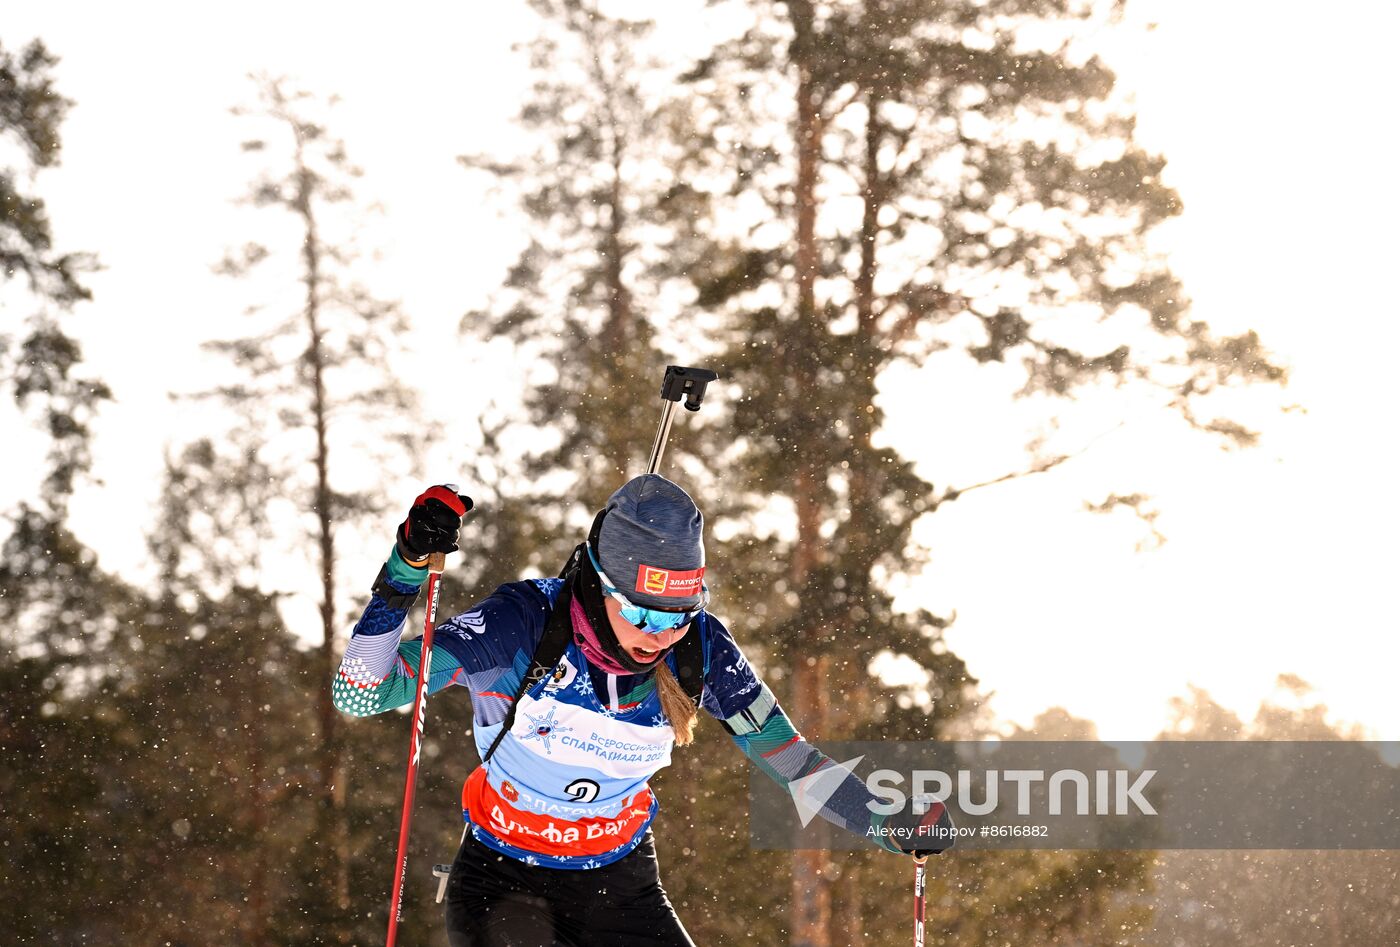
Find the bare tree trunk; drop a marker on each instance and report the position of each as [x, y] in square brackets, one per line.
[256, 915]
[619, 324]
[872, 197]
[850, 910]
[811, 893]
[254, 921]
[862, 530]
[811, 876]
[331, 768]
[618, 330]
[811, 896]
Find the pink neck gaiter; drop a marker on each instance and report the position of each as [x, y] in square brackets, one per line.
[588, 641]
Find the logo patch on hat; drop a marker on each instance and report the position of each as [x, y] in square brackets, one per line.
[670, 583]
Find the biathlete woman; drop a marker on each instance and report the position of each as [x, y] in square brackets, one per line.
[580, 686]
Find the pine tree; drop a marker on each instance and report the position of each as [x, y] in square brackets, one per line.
[921, 173]
[593, 297]
[64, 622]
[67, 756]
[38, 359]
[310, 379]
[583, 298]
[1308, 898]
[851, 195]
[224, 685]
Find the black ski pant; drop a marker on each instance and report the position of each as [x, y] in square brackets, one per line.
[497, 901]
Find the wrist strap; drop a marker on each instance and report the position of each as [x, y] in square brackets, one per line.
[390, 594]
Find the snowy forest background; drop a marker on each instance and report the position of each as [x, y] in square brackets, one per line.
[834, 201]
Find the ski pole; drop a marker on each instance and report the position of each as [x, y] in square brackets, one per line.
[687, 383]
[919, 901]
[436, 563]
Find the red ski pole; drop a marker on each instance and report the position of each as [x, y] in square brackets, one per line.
[436, 563]
[919, 901]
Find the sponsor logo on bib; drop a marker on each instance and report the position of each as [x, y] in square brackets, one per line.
[582, 790]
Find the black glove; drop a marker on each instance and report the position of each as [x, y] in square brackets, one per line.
[432, 523]
[922, 835]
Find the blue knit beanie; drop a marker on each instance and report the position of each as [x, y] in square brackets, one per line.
[651, 543]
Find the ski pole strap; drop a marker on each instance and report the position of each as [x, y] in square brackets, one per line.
[390, 595]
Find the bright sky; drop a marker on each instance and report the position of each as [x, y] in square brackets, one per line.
[1278, 559]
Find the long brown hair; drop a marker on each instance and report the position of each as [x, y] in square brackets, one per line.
[675, 704]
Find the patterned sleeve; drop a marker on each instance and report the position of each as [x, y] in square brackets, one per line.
[746, 708]
[379, 670]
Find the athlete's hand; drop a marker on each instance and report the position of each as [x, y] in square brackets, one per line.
[923, 834]
[432, 523]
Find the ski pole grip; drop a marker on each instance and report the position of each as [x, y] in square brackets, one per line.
[437, 563]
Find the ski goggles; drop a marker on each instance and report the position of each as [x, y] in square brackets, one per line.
[653, 621]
